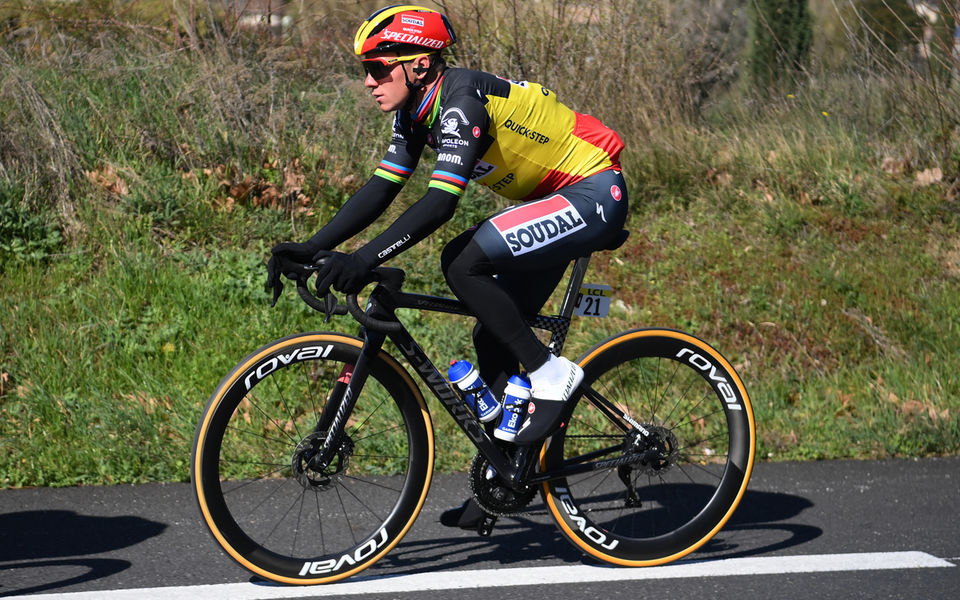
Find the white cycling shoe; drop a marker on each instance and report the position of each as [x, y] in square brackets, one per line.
[548, 397]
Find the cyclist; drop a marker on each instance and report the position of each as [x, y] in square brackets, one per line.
[514, 138]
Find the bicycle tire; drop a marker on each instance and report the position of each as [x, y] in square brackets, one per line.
[275, 516]
[683, 391]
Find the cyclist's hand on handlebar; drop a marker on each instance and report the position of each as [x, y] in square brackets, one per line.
[286, 253]
[298, 251]
[344, 272]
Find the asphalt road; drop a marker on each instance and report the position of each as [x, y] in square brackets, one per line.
[62, 541]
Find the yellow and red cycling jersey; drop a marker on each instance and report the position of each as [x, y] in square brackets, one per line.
[513, 137]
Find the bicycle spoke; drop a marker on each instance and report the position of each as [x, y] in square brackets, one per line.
[309, 384]
[374, 484]
[323, 539]
[283, 401]
[260, 436]
[359, 427]
[254, 403]
[268, 492]
[374, 434]
[361, 502]
[682, 467]
[274, 468]
[673, 477]
[295, 502]
[705, 397]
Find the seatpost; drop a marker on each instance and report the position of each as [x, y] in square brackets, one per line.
[573, 288]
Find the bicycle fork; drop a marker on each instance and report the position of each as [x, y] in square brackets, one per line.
[343, 398]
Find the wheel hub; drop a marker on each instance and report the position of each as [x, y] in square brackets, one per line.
[656, 452]
[317, 472]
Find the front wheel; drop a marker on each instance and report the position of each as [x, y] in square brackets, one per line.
[271, 501]
[662, 444]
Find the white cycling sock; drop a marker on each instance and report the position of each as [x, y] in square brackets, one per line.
[553, 372]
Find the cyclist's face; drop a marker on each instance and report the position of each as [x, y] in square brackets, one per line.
[389, 87]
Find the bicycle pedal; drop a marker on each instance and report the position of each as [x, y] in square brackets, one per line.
[485, 526]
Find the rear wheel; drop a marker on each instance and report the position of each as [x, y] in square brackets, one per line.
[668, 430]
[270, 501]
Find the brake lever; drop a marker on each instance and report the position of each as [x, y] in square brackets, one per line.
[277, 290]
[329, 305]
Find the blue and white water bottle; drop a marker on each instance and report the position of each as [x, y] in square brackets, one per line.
[475, 391]
[514, 401]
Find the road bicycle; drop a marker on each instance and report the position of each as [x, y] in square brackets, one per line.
[314, 455]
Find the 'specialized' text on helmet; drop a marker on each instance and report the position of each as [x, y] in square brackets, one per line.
[404, 25]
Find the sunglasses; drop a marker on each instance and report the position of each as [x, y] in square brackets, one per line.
[381, 66]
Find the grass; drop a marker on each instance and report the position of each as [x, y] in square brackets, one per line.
[811, 234]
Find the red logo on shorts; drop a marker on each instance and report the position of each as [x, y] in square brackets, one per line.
[616, 193]
[531, 408]
[476, 132]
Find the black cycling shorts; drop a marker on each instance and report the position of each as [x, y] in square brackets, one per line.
[579, 219]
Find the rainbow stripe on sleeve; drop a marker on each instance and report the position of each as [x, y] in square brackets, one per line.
[448, 182]
[393, 172]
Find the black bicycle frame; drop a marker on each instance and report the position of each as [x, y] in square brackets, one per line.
[515, 470]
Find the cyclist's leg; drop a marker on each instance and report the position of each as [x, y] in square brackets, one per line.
[527, 242]
[526, 279]
[497, 362]
[472, 276]
[521, 242]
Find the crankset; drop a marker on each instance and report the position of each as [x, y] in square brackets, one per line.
[494, 497]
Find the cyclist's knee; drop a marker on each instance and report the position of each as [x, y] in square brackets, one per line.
[452, 251]
[462, 259]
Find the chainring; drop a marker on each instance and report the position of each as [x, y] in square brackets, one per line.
[492, 495]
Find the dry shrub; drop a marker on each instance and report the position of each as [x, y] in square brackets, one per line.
[34, 147]
[640, 66]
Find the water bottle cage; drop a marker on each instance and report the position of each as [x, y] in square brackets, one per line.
[476, 391]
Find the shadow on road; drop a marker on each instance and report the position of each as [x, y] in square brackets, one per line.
[54, 549]
[758, 527]
[54, 542]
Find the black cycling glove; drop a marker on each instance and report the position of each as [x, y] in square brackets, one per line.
[346, 273]
[291, 252]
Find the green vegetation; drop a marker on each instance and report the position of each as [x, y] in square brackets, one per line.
[150, 156]
[781, 33]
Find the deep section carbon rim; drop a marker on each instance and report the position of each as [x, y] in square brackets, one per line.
[275, 505]
[666, 477]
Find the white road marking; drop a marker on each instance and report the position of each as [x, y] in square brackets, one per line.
[453, 580]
